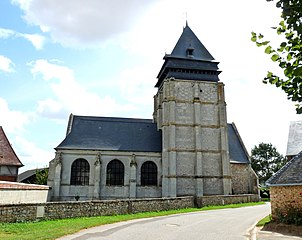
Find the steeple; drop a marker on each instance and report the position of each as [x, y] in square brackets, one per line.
[189, 60]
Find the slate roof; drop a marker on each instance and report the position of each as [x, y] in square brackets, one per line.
[188, 40]
[189, 60]
[294, 143]
[289, 175]
[8, 156]
[129, 134]
[237, 150]
[108, 133]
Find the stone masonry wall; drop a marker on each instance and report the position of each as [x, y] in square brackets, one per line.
[285, 197]
[244, 179]
[226, 199]
[60, 210]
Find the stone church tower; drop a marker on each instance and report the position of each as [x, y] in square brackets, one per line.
[190, 109]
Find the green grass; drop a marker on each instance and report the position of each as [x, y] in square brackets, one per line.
[57, 228]
[265, 199]
[264, 221]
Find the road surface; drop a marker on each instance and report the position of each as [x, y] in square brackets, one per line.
[222, 224]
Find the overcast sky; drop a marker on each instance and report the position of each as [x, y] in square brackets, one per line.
[101, 58]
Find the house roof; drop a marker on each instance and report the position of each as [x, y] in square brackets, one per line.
[294, 143]
[108, 133]
[130, 134]
[8, 156]
[189, 60]
[27, 174]
[289, 175]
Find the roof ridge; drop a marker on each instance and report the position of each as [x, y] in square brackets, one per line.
[97, 118]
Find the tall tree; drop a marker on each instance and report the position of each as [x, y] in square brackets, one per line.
[266, 160]
[289, 53]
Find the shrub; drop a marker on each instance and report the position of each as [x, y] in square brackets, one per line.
[290, 215]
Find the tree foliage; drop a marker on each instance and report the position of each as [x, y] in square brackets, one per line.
[266, 160]
[41, 176]
[289, 53]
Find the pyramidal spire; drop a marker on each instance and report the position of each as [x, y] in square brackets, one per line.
[189, 60]
[189, 45]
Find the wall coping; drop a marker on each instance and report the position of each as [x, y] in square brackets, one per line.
[227, 196]
[99, 201]
[6, 185]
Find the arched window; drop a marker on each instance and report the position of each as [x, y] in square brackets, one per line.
[115, 173]
[149, 174]
[80, 172]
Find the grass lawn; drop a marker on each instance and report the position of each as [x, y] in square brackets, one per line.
[264, 221]
[57, 228]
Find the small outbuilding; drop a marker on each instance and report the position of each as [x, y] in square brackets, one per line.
[286, 189]
[9, 161]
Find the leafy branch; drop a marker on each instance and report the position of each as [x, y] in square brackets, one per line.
[289, 53]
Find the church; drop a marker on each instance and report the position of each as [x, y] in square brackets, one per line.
[186, 149]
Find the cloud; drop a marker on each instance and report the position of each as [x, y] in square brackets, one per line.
[36, 40]
[13, 123]
[12, 120]
[77, 22]
[6, 65]
[50, 108]
[70, 96]
[137, 85]
[6, 33]
[30, 154]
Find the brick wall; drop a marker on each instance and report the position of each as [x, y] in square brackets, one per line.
[283, 198]
[60, 210]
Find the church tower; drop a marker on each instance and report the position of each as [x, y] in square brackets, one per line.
[190, 110]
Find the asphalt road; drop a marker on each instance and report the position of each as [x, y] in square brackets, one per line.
[223, 224]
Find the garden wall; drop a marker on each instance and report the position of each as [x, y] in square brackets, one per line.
[284, 199]
[15, 193]
[226, 199]
[59, 210]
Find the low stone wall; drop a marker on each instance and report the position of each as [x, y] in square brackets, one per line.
[285, 198]
[60, 210]
[225, 199]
